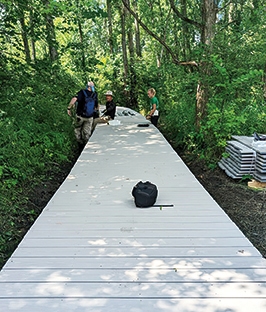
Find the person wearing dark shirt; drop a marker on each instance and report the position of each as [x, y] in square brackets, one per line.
[83, 124]
[110, 105]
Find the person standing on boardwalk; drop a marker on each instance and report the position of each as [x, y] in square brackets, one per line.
[86, 103]
[153, 115]
[110, 110]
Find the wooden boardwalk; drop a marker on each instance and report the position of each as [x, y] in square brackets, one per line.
[92, 250]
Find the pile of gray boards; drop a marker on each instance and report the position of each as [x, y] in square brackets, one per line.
[246, 157]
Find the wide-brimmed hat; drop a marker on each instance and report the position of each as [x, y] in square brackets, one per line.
[109, 93]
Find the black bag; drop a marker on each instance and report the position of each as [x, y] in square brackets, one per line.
[96, 113]
[259, 137]
[145, 194]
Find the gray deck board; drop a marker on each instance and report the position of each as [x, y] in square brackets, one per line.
[133, 241]
[218, 263]
[92, 250]
[136, 305]
[150, 275]
[145, 251]
[138, 289]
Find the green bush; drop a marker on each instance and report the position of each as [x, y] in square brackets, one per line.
[36, 142]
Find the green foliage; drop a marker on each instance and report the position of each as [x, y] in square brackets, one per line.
[236, 107]
[36, 140]
[178, 113]
[246, 177]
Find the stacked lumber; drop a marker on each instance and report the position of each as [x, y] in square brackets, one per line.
[246, 156]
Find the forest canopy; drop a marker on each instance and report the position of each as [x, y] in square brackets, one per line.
[206, 60]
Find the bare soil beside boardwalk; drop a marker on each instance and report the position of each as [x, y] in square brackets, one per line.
[245, 206]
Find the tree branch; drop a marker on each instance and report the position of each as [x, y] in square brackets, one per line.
[225, 5]
[184, 18]
[163, 43]
[191, 63]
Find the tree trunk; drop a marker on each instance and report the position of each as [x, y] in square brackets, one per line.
[32, 40]
[185, 32]
[137, 32]
[50, 28]
[132, 74]
[24, 36]
[51, 38]
[110, 26]
[83, 62]
[264, 83]
[209, 12]
[209, 16]
[124, 49]
[165, 31]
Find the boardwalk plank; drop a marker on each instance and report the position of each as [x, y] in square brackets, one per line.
[58, 232]
[134, 305]
[160, 251]
[136, 242]
[133, 290]
[218, 263]
[150, 275]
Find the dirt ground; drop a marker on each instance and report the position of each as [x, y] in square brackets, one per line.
[244, 205]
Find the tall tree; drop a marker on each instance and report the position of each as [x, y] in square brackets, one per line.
[124, 49]
[209, 18]
[24, 34]
[137, 31]
[50, 30]
[132, 74]
[206, 28]
[110, 25]
[32, 36]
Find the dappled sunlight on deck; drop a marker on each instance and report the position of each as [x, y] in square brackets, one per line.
[92, 250]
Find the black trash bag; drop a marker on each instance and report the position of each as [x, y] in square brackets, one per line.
[259, 137]
[143, 125]
[145, 194]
